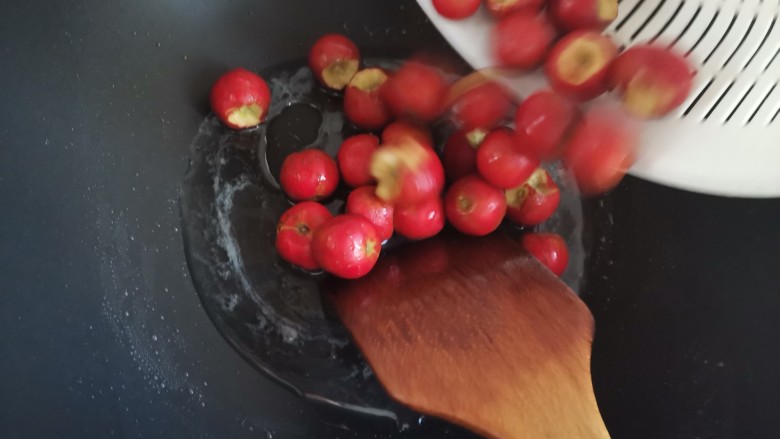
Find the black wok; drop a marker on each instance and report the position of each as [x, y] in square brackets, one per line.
[103, 333]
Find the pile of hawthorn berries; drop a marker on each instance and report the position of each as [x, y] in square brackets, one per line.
[486, 172]
[579, 61]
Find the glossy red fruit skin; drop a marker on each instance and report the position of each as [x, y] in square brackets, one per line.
[363, 105]
[295, 230]
[460, 154]
[502, 8]
[363, 201]
[502, 162]
[582, 14]
[474, 206]
[333, 59]
[600, 150]
[534, 201]
[549, 248]
[420, 220]
[401, 131]
[521, 40]
[645, 72]
[237, 91]
[346, 246]
[456, 9]
[407, 173]
[310, 174]
[354, 159]
[481, 107]
[543, 121]
[595, 83]
[415, 92]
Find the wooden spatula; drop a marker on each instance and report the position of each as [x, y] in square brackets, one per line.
[476, 331]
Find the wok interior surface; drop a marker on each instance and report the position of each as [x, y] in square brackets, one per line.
[272, 313]
[104, 333]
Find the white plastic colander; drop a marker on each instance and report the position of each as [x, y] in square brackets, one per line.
[725, 139]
